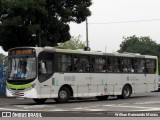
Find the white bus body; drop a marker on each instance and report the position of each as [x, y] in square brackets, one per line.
[62, 84]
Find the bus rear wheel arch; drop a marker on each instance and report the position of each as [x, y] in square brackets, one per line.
[126, 92]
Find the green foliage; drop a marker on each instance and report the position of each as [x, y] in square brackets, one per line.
[23, 22]
[1, 58]
[142, 45]
[74, 43]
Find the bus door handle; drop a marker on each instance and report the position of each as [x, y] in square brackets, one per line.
[45, 85]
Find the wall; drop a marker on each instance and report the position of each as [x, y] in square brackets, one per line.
[3, 77]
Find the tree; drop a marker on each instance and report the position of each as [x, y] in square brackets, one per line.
[74, 43]
[142, 45]
[27, 22]
[1, 58]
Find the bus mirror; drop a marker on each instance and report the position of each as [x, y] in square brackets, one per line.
[43, 67]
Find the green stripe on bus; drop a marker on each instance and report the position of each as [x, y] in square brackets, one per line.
[102, 82]
[157, 69]
[57, 82]
[68, 51]
[17, 87]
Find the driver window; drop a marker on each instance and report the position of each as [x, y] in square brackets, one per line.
[43, 67]
[46, 67]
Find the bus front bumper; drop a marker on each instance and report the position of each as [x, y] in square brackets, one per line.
[32, 93]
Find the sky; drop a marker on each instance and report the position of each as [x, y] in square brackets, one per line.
[112, 18]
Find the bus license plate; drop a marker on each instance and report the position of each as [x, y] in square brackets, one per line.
[16, 93]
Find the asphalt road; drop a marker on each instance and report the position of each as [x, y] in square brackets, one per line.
[91, 107]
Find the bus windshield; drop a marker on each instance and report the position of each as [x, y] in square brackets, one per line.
[22, 68]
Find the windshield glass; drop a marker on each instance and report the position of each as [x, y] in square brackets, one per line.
[22, 68]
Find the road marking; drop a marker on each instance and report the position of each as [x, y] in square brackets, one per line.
[125, 106]
[10, 109]
[88, 107]
[58, 110]
[33, 106]
[139, 107]
[153, 109]
[94, 109]
[149, 102]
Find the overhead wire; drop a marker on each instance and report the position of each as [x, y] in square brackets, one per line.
[121, 22]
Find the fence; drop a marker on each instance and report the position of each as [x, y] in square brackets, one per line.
[3, 78]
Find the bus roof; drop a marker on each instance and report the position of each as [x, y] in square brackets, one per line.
[79, 51]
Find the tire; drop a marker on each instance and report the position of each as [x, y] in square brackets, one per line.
[126, 92]
[102, 97]
[40, 101]
[63, 95]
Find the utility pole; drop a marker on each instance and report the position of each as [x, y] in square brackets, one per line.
[87, 42]
[105, 48]
[39, 35]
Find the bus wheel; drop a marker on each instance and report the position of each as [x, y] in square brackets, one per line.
[102, 97]
[63, 95]
[40, 101]
[126, 92]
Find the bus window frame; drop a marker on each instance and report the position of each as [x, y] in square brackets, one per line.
[92, 64]
[90, 56]
[146, 65]
[44, 75]
[107, 64]
[72, 62]
[89, 62]
[133, 65]
[56, 61]
[144, 70]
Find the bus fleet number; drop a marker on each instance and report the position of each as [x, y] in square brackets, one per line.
[69, 78]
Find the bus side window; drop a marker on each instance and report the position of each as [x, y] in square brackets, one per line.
[81, 63]
[110, 68]
[113, 64]
[77, 66]
[64, 63]
[45, 66]
[140, 65]
[98, 64]
[150, 66]
[128, 65]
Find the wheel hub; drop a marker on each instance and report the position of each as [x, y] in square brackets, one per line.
[126, 92]
[63, 94]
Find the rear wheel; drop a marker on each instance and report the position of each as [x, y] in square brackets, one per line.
[102, 97]
[40, 101]
[126, 92]
[63, 95]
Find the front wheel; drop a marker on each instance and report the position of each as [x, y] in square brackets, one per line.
[126, 92]
[40, 101]
[63, 95]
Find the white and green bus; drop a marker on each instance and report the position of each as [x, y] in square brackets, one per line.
[41, 73]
